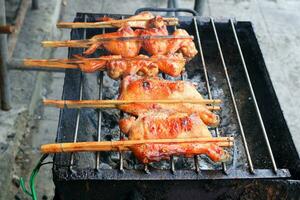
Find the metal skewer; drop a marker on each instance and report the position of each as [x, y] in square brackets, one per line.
[100, 82]
[78, 112]
[254, 98]
[206, 78]
[251, 168]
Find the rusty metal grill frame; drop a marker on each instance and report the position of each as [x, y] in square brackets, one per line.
[173, 174]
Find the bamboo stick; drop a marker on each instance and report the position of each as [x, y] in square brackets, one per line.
[102, 58]
[88, 42]
[125, 145]
[73, 63]
[56, 64]
[100, 103]
[111, 24]
[68, 43]
[213, 108]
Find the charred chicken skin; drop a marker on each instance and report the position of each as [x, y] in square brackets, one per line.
[131, 48]
[172, 65]
[161, 125]
[154, 88]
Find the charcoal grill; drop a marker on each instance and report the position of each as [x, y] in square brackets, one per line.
[229, 66]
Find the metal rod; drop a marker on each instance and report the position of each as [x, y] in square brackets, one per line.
[199, 6]
[172, 157]
[253, 97]
[202, 59]
[206, 78]
[4, 76]
[233, 98]
[172, 161]
[78, 111]
[35, 4]
[146, 169]
[175, 5]
[120, 137]
[120, 153]
[100, 82]
[77, 119]
[170, 5]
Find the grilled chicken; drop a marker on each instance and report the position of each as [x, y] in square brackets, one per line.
[122, 68]
[157, 27]
[162, 125]
[137, 24]
[158, 46]
[125, 48]
[154, 88]
[185, 46]
[172, 65]
[119, 67]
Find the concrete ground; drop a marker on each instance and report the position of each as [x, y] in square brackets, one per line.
[29, 125]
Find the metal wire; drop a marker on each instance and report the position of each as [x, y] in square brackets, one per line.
[78, 112]
[172, 157]
[100, 83]
[120, 153]
[32, 193]
[120, 137]
[206, 78]
[253, 97]
[77, 121]
[251, 168]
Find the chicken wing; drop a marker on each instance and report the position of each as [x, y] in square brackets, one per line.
[185, 46]
[131, 48]
[162, 125]
[125, 48]
[137, 88]
[171, 64]
[156, 27]
[117, 67]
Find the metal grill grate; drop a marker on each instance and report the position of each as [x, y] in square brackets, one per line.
[75, 80]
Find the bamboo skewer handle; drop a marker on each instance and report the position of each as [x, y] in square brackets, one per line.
[99, 103]
[55, 64]
[110, 24]
[68, 43]
[125, 145]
